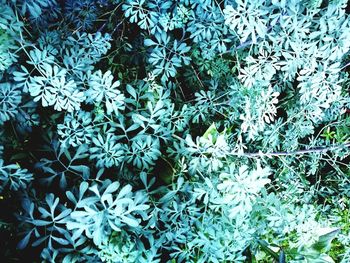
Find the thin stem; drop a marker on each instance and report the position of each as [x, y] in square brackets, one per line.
[345, 66]
[321, 149]
[298, 152]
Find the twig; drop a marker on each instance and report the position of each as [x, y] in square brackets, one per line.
[298, 152]
[345, 66]
[199, 80]
[321, 149]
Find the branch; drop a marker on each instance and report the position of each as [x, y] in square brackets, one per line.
[321, 149]
[345, 66]
[299, 152]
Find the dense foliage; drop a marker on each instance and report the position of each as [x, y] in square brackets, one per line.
[174, 131]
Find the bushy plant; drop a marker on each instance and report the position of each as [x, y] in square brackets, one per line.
[175, 131]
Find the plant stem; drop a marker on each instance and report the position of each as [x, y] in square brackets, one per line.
[321, 149]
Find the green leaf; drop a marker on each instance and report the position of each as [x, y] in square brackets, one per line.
[324, 242]
[211, 132]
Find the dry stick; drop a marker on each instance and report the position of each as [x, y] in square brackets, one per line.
[345, 66]
[199, 80]
[276, 154]
[299, 152]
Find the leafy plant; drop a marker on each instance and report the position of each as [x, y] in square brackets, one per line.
[174, 131]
